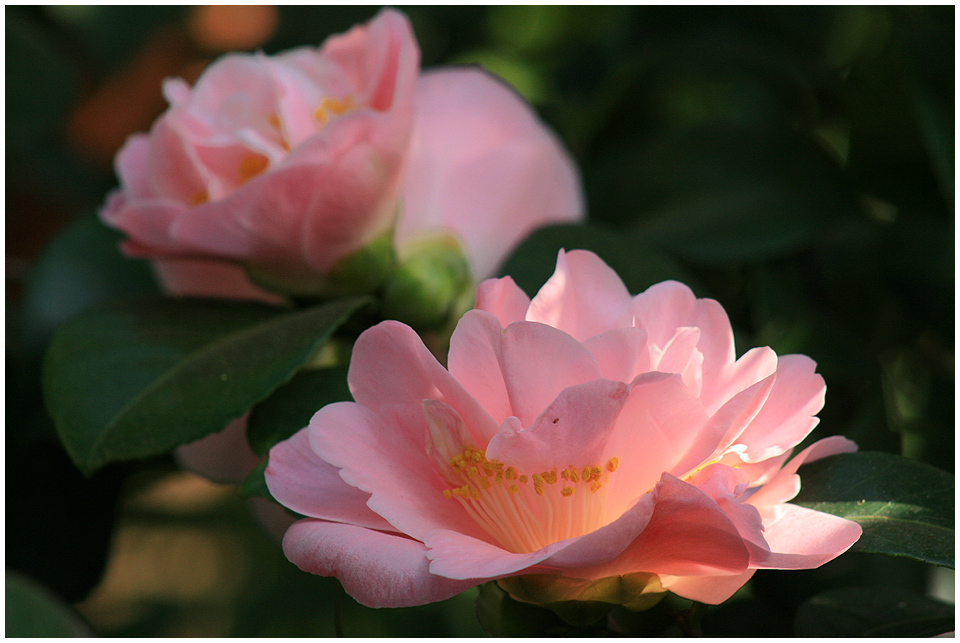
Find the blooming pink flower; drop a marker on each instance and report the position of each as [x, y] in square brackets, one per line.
[287, 164]
[584, 434]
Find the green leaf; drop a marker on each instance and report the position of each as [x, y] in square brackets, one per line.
[873, 612]
[638, 263]
[905, 507]
[33, 611]
[291, 406]
[137, 378]
[79, 268]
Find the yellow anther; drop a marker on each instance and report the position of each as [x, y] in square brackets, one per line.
[511, 473]
[550, 477]
[465, 490]
[250, 166]
[456, 491]
[499, 478]
[612, 464]
[523, 479]
[485, 483]
[513, 488]
[330, 105]
[574, 476]
[446, 493]
[595, 471]
[472, 473]
[477, 456]
[474, 493]
[565, 474]
[595, 487]
[585, 474]
[566, 491]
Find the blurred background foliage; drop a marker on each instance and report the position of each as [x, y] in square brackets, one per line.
[794, 163]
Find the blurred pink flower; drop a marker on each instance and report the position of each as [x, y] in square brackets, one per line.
[287, 164]
[584, 434]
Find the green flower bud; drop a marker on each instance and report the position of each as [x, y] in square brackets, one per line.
[427, 285]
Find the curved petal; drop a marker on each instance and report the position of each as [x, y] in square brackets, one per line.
[802, 538]
[454, 555]
[484, 167]
[223, 457]
[391, 366]
[584, 297]
[660, 423]
[300, 480]
[205, 278]
[503, 298]
[573, 430]
[377, 569]
[475, 361]
[386, 455]
[688, 534]
[621, 353]
[788, 414]
[785, 483]
[711, 590]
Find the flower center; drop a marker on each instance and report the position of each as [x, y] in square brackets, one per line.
[525, 511]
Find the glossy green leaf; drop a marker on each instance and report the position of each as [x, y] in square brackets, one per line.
[33, 611]
[291, 406]
[905, 507]
[874, 612]
[638, 263]
[137, 378]
[255, 484]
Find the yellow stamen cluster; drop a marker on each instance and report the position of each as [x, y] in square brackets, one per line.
[332, 106]
[525, 512]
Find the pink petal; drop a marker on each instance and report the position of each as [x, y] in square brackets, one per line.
[572, 430]
[206, 278]
[300, 480]
[788, 414]
[669, 305]
[785, 483]
[503, 298]
[484, 167]
[386, 455]
[802, 538]
[584, 297]
[455, 555]
[377, 569]
[659, 424]
[391, 366]
[475, 361]
[712, 590]
[621, 353]
[224, 457]
[688, 534]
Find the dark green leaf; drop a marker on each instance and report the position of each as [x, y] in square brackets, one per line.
[638, 263]
[906, 507]
[291, 406]
[80, 268]
[33, 611]
[138, 378]
[873, 611]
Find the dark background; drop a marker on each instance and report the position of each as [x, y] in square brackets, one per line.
[796, 164]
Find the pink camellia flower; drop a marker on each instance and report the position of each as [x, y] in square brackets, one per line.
[584, 435]
[285, 163]
[283, 166]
